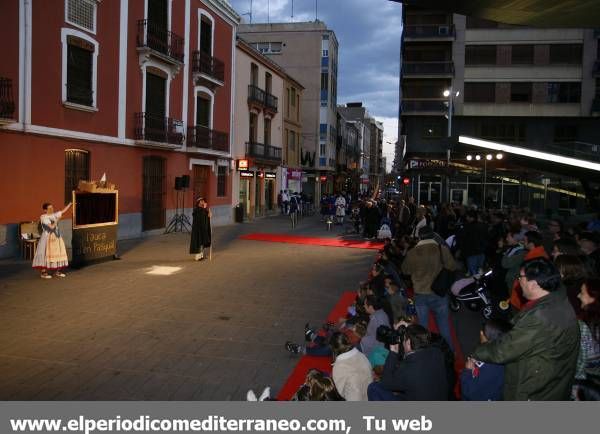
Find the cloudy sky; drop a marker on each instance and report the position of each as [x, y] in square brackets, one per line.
[368, 32]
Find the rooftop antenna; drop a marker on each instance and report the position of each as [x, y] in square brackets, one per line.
[292, 11]
[249, 13]
[316, 10]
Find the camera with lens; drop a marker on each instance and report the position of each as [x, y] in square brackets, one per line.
[389, 336]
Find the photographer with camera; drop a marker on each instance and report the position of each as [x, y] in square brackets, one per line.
[414, 369]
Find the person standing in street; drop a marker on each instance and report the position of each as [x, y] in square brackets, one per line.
[285, 199]
[201, 230]
[51, 254]
[423, 263]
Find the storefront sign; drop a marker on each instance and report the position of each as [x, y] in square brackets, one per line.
[425, 164]
[294, 174]
[269, 175]
[243, 165]
[246, 174]
[261, 174]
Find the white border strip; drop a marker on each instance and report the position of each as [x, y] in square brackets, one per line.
[123, 44]
[529, 153]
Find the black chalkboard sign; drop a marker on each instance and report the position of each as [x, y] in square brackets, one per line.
[93, 243]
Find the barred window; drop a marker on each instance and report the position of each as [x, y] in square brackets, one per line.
[82, 13]
[79, 71]
[77, 168]
[221, 181]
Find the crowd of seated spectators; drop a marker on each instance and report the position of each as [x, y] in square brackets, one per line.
[542, 341]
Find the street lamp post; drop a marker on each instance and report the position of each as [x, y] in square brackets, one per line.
[486, 158]
[450, 94]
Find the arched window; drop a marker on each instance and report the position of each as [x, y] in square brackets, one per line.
[77, 168]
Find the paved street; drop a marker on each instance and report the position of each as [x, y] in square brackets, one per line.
[207, 331]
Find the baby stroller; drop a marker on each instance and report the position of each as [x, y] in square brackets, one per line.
[474, 293]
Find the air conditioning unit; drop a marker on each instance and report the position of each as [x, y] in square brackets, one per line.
[444, 30]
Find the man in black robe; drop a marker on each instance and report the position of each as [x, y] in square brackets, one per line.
[201, 232]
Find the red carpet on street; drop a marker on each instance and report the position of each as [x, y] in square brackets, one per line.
[306, 363]
[315, 241]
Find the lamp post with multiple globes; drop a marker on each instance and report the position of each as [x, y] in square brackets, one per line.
[485, 158]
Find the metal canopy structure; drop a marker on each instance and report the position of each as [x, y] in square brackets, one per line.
[535, 13]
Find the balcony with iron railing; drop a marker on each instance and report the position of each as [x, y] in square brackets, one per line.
[429, 31]
[256, 96]
[205, 64]
[260, 151]
[7, 103]
[162, 42]
[271, 102]
[422, 106]
[428, 68]
[158, 129]
[205, 138]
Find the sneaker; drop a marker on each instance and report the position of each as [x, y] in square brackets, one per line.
[309, 334]
[45, 276]
[59, 274]
[293, 348]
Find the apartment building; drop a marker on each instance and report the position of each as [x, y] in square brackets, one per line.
[531, 87]
[139, 90]
[376, 154]
[347, 156]
[355, 113]
[309, 52]
[292, 135]
[258, 131]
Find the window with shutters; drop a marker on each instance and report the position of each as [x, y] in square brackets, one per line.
[221, 181]
[267, 131]
[79, 74]
[206, 35]
[77, 168]
[82, 14]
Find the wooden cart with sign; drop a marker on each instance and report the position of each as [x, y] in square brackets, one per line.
[95, 225]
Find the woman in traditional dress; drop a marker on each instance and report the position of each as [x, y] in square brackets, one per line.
[51, 254]
[201, 232]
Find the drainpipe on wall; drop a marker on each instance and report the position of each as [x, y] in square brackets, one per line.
[26, 66]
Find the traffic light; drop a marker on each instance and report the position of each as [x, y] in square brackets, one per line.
[406, 181]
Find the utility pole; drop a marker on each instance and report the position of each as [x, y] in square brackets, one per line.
[292, 11]
[316, 10]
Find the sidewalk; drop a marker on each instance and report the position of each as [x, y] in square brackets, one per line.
[158, 326]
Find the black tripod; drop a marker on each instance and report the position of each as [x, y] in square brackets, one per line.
[180, 221]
